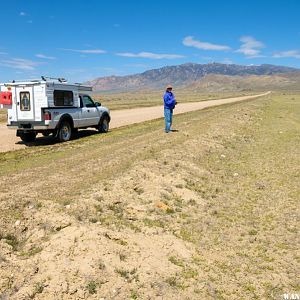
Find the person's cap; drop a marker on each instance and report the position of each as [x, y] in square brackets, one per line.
[169, 87]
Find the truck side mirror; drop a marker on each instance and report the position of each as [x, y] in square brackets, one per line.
[97, 103]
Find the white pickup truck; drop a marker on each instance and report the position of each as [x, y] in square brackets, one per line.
[51, 106]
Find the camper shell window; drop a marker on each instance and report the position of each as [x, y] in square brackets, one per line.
[63, 98]
[25, 101]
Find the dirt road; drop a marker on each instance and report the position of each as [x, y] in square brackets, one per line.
[9, 142]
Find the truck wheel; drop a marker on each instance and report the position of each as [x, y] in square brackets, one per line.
[28, 137]
[64, 132]
[103, 125]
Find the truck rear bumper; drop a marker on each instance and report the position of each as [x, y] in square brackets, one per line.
[29, 126]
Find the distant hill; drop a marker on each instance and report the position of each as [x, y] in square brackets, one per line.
[199, 76]
[225, 83]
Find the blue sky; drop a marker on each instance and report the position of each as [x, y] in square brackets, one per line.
[81, 40]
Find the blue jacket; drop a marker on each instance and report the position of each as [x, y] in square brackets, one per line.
[169, 100]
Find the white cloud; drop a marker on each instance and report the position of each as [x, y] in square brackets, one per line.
[23, 14]
[287, 54]
[250, 47]
[189, 41]
[150, 55]
[19, 63]
[45, 56]
[87, 51]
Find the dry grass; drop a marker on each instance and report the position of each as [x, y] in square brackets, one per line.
[209, 212]
[3, 117]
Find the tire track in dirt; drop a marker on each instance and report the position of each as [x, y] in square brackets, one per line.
[9, 141]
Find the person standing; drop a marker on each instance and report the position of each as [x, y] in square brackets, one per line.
[169, 105]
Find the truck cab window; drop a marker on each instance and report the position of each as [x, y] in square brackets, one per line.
[87, 101]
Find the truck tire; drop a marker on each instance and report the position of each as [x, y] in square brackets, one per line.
[103, 126]
[28, 137]
[64, 132]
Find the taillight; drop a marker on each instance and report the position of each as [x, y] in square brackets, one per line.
[47, 116]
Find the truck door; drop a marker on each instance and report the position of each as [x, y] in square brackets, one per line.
[25, 103]
[90, 115]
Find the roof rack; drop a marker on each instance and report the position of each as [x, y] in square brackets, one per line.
[81, 86]
[59, 79]
[24, 80]
[44, 78]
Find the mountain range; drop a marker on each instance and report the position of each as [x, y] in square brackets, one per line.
[210, 77]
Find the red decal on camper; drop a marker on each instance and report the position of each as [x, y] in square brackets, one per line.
[6, 98]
